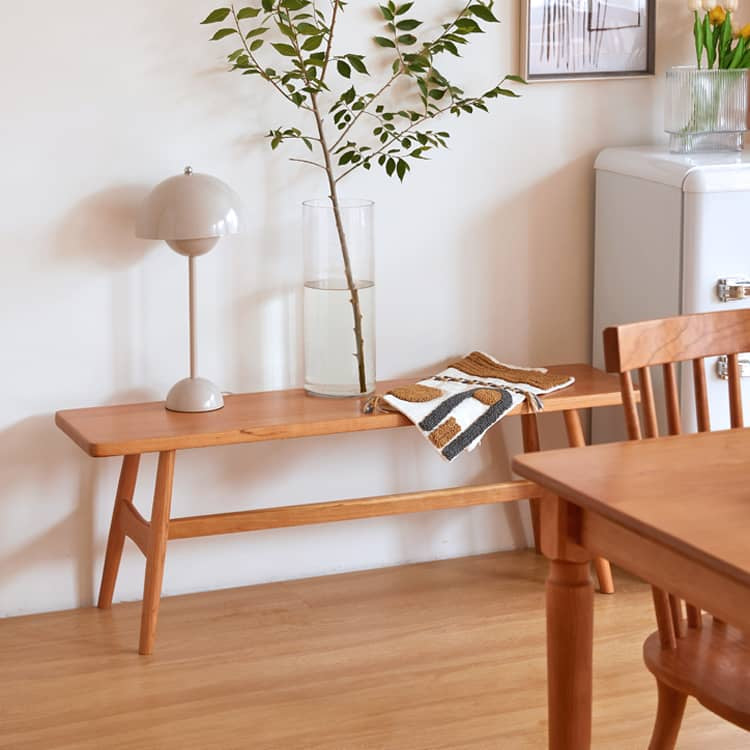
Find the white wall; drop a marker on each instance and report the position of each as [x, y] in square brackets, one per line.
[487, 246]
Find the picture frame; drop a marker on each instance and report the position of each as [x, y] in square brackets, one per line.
[572, 40]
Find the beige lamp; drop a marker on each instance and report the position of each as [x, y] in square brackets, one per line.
[190, 212]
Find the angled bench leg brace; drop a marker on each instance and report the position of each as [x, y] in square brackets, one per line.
[150, 537]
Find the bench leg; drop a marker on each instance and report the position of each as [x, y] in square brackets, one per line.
[116, 539]
[530, 433]
[576, 439]
[156, 550]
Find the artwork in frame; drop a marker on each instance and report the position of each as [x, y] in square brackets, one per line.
[582, 39]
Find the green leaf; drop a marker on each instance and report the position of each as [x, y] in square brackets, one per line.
[256, 32]
[312, 43]
[401, 169]
[387, 13]
[384, 42]
[738, 53]
[408, 24]
[247, 13]
[403, 8]
[390, 166]
[357, 64]
[708, 41]
[468, 26]
[483, 12]
[284, 49]
[221, 33]
[308, 29]
[295, 4]
[256, 45]
[267, 5]
[517, 79]
[407, 39]
[217, 16]
[698, 35]
[344, 69]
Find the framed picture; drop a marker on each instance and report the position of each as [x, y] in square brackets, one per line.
[584, 39]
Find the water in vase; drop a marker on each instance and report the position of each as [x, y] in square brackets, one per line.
[330, 347]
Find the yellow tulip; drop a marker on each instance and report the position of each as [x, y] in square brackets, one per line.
[717, 15]
[745, 31]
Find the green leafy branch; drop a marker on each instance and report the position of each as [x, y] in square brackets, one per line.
[300, 38]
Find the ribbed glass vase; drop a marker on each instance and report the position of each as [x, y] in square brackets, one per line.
[706, 110]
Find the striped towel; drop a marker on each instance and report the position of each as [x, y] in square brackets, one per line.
[454, 408]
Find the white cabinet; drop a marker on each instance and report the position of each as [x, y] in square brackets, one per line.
[668, 228]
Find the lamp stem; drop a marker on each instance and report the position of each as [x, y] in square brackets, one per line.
[191, 284]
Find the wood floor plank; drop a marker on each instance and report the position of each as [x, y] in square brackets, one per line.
[446, 655]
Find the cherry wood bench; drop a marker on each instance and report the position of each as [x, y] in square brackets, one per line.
[130, 430]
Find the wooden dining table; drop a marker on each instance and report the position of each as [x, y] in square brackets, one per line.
[674, 511]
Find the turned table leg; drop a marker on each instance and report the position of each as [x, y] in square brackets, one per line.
[116, 539]
[156, 548]
[570, 624]
[576, 439]
[530, 433]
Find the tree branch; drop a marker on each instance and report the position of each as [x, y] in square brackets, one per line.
[396, 137]
[307, 161]
[262, 72]
[329, 44]
[362, 111]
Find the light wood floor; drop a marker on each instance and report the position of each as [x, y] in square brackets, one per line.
[441, 655]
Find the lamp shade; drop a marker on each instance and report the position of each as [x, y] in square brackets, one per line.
[190, 206]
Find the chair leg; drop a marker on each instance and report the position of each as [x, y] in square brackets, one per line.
[116, 539]
[576, 439]
[156, 551]
[668, 718]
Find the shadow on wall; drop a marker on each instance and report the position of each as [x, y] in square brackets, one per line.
[101, 229]
[30, 456]
[35, 453]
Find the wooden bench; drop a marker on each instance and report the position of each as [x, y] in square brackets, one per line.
[130, 430]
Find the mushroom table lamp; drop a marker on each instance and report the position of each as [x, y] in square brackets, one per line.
[190, 212]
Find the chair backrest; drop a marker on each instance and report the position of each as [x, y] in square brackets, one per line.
[665, 342]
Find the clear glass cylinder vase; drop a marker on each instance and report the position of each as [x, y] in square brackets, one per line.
[339, 298]
[706, 110]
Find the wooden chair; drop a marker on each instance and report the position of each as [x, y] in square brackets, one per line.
[691, 653]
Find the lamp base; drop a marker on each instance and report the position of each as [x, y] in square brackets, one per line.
[194, 395]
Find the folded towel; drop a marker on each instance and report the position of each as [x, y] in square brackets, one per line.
[454, 408]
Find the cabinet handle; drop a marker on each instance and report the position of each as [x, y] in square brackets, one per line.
[733, 289]
[722, 366]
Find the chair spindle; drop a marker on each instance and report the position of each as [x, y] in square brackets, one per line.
[631, 411]
[650, 423]
[735, 391]
[664, 618]
[701, 396]
[674, 420]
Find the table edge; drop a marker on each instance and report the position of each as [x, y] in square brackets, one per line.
[594, 505]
